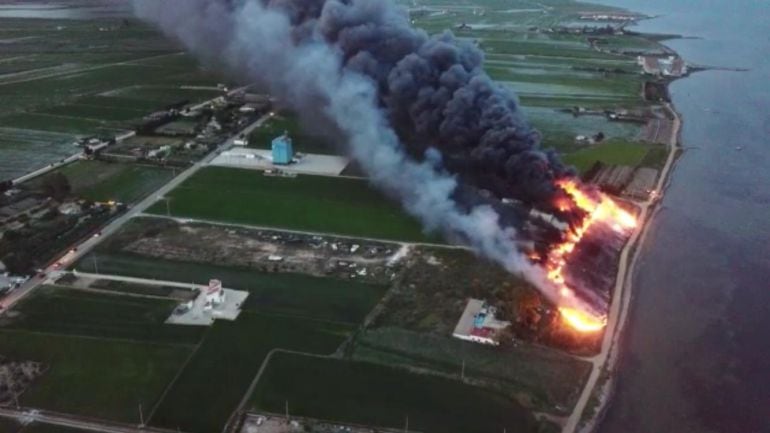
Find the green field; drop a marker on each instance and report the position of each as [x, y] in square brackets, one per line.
[52, 123]
[371, 394]
[313, 203]
[548, 378]
[94, 377]
[105, 181]
[286, 294]
[618, 152]
[8, 425]
[213, 383]
[136, 289]
[70, 311]
[96, 112]
[64, 76]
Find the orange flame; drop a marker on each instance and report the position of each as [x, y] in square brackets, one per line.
[599, 208]
[582, 321]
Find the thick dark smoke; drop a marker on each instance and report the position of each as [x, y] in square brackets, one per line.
[417, 112]
[437, 94]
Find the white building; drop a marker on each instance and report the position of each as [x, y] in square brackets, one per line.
[215, 295]
[5, 282]
[478, 324]
[69, 208]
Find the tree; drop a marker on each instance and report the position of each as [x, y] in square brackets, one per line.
[57, 185]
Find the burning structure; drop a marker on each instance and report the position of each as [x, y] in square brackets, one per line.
[422, 119]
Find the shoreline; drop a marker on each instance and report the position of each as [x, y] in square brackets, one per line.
[601, 383]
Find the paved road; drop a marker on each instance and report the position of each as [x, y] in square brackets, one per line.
[621, 295]
[25, 416]
[87, 245]
[65, 161]
[142, 281]
[47, 168]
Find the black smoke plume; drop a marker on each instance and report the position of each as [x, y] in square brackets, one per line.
[417, 112]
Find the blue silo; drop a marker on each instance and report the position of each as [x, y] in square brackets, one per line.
[283, 152]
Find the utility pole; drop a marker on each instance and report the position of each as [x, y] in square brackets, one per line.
[141, 416]
[287, 410]
[406, 425]
[168, 207]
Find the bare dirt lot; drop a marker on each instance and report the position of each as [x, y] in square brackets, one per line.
[262, 250]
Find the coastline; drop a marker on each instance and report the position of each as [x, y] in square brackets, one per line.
[601, 383]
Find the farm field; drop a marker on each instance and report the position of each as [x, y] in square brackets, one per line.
[105, 181]
[619, 152]
[10, 426]
[548, 378]
[55, 80]
[75, 312]
[24, 150]
[274, 293]
[376, 395]
[140, 371]
[312, 203]
[552, 69]
[229, 358]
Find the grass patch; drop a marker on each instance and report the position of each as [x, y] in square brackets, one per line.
[314, 203]
[617, 152]
[68, 311]
[656, 157]
[92, 377]
[439, 283]
[212, 384]
[383, 396]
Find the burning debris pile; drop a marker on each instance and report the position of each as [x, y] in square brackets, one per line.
[417, 112]
[601, 213]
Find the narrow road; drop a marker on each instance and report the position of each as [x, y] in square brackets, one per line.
[25, 416]
[245, 400]
[89, 244]
[142, 281]
[622, 292]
